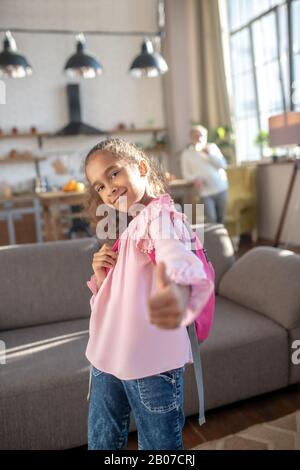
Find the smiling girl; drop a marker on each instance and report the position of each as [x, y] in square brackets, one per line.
[138, 341]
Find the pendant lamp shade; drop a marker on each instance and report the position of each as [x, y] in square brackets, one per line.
[80, 64]
[12, 64]
[148, 63]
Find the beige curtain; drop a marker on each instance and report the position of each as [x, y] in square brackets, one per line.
[214, 104]
[195, 86]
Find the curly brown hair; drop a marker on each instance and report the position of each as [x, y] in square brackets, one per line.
[122, 150]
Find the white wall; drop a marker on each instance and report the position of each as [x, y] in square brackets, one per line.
[114, 97]
[181, 94]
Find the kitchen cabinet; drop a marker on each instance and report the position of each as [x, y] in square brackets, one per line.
[20, 219]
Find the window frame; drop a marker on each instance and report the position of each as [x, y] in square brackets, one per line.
[287, 104]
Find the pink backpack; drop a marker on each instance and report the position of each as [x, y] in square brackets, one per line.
[204, 320]
[199, 330]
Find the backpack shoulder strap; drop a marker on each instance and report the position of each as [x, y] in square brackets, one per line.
[195, 345]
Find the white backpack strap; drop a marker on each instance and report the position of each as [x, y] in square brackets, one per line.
[90, 382]
[197, 369]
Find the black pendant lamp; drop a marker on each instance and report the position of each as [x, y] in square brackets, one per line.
[148, 63]
[12, 64]
[80, 64]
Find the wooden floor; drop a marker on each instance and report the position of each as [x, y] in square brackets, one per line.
[236, 417]
[246, 244]
[233, 418]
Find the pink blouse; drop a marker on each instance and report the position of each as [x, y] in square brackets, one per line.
[122, 341]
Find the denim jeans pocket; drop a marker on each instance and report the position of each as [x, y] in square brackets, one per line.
[96, 372]
[160, 393]
[171, 375]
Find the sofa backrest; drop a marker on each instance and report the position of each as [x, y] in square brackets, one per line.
[45, 282]
[219, 248]
[266, 280]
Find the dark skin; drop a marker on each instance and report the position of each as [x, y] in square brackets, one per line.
[121, 187]
[126, 181]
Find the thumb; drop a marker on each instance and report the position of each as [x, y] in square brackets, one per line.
[162, 277]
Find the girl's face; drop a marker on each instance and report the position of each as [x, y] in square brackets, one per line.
[119, 184]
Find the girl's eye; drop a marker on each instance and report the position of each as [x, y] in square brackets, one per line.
[99, 188]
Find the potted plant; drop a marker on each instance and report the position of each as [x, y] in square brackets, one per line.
[224, 138]
[262, 140]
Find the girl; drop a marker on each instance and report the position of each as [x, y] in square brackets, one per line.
[138, 341]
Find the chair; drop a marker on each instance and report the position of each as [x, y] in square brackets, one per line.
[242, 201]
[78, 223]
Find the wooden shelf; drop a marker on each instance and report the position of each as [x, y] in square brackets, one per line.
[152, 130]
[44, 135]
[22, 135]
[21, 160]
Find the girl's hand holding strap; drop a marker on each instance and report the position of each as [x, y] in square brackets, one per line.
[104, 258]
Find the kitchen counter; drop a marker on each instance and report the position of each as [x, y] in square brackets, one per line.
[24, 197]
[280, 161]
[53, 202]
[177, 183]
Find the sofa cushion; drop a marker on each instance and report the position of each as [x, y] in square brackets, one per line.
[246, 354]
[266, 280]
[43, 356]
[43, 386]
[45, 282]
[219, 248]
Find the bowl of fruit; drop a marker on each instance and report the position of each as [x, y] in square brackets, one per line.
[73, 185]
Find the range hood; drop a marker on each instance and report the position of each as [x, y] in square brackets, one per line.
[76, 126]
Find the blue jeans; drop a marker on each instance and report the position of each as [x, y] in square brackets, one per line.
[155, 401]
[215, 207]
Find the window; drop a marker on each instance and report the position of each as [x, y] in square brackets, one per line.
[265, 72]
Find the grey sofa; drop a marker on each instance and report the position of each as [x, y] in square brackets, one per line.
[44, 320]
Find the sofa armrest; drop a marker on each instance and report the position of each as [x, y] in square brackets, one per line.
[266, 280]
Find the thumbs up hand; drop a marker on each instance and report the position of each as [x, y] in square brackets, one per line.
[167, 306]
[162, 277]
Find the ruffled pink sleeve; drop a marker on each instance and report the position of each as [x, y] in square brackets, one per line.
[172, 246]
[92, 285]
